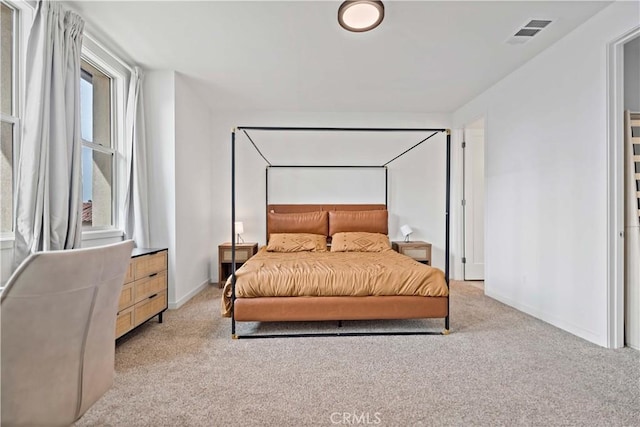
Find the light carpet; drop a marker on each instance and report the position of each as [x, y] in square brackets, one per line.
[498, 367]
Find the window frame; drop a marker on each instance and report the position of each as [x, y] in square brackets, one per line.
[112, 66]
[119, 71]
[111, 150]
[22, 19]
[15, 58]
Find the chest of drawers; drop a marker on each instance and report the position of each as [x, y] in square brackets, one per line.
[144, 293]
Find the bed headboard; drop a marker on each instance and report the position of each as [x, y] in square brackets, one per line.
[376, 222]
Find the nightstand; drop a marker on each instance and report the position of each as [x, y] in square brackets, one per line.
[244, 251]
[418, 250]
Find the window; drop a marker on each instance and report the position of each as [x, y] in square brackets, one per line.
[98, 152]
[103, 95]
[9, 122]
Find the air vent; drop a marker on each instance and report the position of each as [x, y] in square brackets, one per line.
[537, 23]
[528, 30]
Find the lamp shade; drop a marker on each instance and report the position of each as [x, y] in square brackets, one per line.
[406, 230]
[239, 227]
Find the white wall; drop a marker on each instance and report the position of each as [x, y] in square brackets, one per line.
[326, 185]
[416, 181]
[159, 99]
[193, 188]
[546, 178]
[179, 142]
[632, 75]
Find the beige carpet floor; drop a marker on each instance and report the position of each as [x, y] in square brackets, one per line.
[499, 367]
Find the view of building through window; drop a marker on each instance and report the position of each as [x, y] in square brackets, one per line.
[97, 147]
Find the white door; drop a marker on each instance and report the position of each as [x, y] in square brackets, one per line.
[473, 201]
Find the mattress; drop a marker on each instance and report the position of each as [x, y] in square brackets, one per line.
[318, 274]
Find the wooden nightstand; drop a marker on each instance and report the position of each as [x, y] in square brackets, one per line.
[244, 251]
[418, 250]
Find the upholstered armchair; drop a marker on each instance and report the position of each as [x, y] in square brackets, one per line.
[58, 333]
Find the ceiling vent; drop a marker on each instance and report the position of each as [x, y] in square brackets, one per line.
[528, 31]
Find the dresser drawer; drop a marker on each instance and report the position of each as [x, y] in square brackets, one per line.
[126, 296]
[418, 250]
[144, 292]
[129, 276]
[149, 286]
[149, 264]
[242, 254]
[150, 307]
[124, 322]
[417, 253]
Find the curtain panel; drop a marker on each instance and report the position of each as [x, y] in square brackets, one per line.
[49, 182]
[136, 203]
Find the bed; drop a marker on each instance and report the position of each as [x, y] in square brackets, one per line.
[359, 278]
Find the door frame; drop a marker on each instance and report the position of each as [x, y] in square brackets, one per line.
[615, 188]
[463, 207]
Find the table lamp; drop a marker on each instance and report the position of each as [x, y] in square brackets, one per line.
[406, 232]
[239, 230]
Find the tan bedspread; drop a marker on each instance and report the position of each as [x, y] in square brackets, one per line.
[275, 274]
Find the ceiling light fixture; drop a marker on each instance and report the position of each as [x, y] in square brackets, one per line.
[360, 15]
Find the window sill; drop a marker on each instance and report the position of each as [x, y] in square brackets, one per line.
[101, 234]
[6, 240]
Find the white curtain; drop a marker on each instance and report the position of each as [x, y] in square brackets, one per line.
[136, 205]
[49, 182]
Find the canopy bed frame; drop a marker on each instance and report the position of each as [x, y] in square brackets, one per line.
[338, 308]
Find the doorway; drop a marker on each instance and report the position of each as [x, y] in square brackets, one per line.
[473, 200]
[631, 82]
[619, 307]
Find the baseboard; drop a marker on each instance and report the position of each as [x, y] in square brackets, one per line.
[635, 347]
[187, 297]
[549, 318]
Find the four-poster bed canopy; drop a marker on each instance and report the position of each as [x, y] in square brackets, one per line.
[422, 292]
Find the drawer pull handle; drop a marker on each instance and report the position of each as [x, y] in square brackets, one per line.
[154, 274]
[153, 296]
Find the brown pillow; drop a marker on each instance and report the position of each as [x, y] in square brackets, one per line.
[360, 242]
[307, 222]
[375, 221]
[297, 242]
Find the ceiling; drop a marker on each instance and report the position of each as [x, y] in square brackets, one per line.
[426, 56]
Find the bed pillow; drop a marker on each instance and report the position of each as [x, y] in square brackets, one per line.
[304, 222]
[297, 242]
[360, 242]
[373, 221]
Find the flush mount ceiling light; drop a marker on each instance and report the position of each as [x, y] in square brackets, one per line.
[360, 15]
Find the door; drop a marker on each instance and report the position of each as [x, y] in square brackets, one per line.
[473, 201]
[631, 83]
